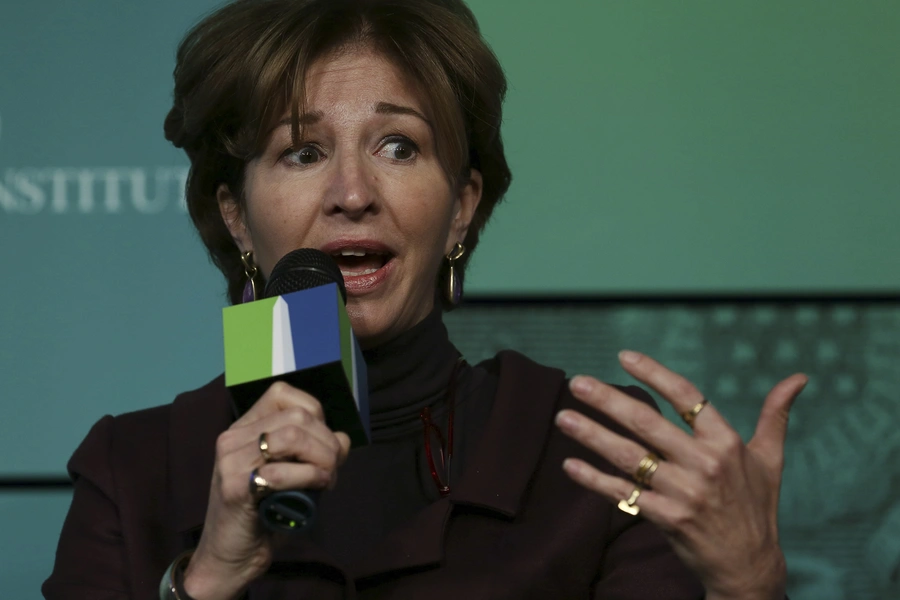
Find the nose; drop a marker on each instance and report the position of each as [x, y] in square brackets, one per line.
[352, 190]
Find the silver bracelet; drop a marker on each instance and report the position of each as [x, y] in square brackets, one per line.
[171, 586]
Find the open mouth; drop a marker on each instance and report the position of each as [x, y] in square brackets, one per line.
[359, 262]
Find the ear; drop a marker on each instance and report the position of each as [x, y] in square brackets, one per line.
[466, 205]
[233, 216]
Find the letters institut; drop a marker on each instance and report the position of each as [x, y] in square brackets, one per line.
[91, 190]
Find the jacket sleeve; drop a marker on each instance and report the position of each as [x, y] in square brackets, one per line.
[639, 563]
[90, 557]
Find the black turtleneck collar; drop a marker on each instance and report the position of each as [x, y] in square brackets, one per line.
[408, 373]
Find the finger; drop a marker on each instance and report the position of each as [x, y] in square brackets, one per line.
[675, 389]
[232, 475]
[281, 396]
[344, 441]
[654, 506]
[771, 429]
[296, 418]
[320, 463]
[293, 443]
[294, 476]
[670, 479]
[639, 418]
[238, 437]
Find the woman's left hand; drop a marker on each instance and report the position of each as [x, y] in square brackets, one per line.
[715, 498]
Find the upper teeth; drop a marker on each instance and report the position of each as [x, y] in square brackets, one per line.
[352, 252]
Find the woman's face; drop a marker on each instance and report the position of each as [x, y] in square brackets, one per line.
[365, 186]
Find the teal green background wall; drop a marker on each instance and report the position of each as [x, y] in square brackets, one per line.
[698, 145]
[657, 148]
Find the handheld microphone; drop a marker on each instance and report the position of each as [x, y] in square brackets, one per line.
[299, 333]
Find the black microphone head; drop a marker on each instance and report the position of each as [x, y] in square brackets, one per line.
[303, 269]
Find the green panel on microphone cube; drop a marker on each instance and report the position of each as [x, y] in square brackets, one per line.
[248, 341]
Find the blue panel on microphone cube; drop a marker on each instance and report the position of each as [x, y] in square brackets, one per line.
[315, 328]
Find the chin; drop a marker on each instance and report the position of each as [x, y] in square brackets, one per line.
[368, 325]
[376, 322]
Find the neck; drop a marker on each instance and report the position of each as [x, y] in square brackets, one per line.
[407, 374]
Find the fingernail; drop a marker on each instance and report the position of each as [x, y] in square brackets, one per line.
[628, 356]
[566, 420]
[571, 465]
[580, 384]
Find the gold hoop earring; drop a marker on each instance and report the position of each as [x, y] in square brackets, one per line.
[453, 289]
[250, 270]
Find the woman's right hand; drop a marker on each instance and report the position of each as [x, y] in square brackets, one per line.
[235, 548]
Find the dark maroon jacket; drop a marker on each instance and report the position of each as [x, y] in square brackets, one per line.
[515, 526]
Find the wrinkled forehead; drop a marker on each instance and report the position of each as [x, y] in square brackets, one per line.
[362, 79]
[347, 79]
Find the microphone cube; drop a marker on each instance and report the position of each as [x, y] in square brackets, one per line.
[303, 338]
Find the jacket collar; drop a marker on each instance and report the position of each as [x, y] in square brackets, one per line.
[496, 481]
[514, 438]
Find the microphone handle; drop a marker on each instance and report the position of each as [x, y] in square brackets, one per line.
[289, 510]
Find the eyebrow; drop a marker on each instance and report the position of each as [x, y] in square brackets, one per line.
[386, 108]
[310, 118]
[382, 108]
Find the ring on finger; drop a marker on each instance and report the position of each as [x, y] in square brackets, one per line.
[264, 446]
[259, 486]
[629, 505]
[690, 415]
[646, 469]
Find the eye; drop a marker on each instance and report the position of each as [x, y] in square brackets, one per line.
[399, 148]
[306, 155]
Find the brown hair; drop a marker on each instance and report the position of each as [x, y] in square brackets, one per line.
[244, 65]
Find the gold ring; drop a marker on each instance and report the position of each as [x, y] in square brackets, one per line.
[629, 505]
[264, 446]
[646, 469]
[690, 415]
[259, 487]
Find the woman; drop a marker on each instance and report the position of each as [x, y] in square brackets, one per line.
[370, 130]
